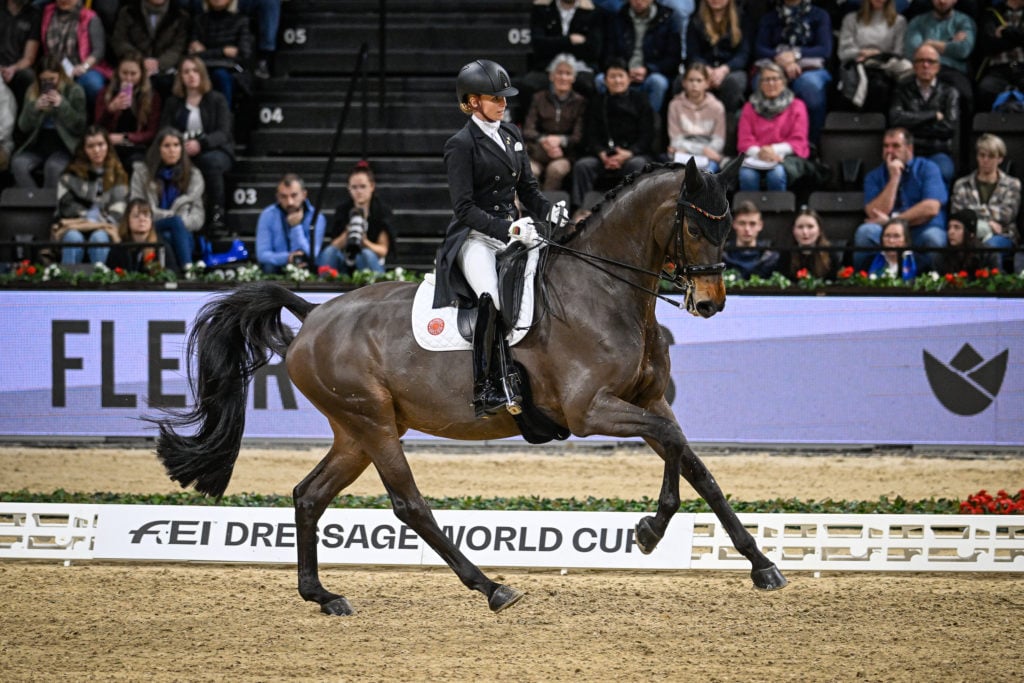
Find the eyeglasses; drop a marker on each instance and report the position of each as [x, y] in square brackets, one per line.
[927, 62]
[771, 79]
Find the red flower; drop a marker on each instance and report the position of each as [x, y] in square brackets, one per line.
[150, 256]
[995, 271]
[949, 277]
[802, 273]
[323, 270]
[119, 271]
[981, 273]
[31, 270]
[863, 273]
[962, 275]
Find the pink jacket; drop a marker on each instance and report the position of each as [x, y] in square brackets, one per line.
[81, 31]
[789, 126]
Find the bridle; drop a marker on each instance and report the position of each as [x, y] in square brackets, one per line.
[681, 275]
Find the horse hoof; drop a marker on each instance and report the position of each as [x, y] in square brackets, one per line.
[647, 538]
[339, 607]
[503, 598]
[768, 579]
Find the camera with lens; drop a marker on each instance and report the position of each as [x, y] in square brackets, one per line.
[356, 230]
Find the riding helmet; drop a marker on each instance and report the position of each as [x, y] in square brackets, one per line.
[483, 77]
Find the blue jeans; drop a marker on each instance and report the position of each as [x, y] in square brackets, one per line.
[25, 162]
[72, 255]
[654, 86]
[774, 179]
[335, 258]
[92, 81]
[811, 87]
[173, 231]
[946, 167]
[923, 236]
[223, 83]
[268, 18]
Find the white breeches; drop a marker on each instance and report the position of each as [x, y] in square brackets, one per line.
[477, 261]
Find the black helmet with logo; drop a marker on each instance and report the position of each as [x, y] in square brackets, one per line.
[483, 77]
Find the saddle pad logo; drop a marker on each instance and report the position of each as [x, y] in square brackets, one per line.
[435, 326]
[968, 384]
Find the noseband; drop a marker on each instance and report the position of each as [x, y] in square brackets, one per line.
[688, 269]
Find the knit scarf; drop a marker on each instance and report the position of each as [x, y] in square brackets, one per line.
[796, 27]
[168, 187]
[770, 108]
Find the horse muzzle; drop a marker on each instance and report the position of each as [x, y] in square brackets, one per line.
[703, 298]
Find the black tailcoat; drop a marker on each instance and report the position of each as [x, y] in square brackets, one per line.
[483, 181]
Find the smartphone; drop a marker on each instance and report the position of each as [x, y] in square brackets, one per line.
[126, 89]
[45, 87]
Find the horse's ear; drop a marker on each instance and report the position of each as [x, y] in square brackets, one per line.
[729, 175]
[693, 180]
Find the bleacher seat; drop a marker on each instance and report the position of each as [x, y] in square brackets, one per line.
[26, 215]
[841, 213]
[777, 211]
[851, 144]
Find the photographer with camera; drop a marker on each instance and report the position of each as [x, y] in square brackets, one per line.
[282, 231]
[363, 232]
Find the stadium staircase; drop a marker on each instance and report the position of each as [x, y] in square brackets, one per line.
[292, 123]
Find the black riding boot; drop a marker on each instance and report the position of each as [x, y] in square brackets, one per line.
[488, 396]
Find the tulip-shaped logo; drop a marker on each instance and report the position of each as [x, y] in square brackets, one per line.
[969, 383]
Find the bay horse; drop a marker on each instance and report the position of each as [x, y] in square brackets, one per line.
[596, 359]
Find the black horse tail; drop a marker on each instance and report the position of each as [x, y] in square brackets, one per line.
[230, 341]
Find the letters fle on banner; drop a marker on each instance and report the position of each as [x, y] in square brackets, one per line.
[377, 537]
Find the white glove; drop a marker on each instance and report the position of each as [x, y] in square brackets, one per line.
[559, 215]
[524, 231]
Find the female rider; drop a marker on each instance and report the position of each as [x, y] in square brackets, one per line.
[487, 167]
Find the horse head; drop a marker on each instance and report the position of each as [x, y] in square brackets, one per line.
[702, 224]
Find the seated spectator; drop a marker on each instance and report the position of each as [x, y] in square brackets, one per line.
[619, 132]
[554, 125]
[895, 260]
[51, 123]
[20, 29]
[952, 34]
[75, 33]
[136, 228]
[745, 251]
[174, 189]
[907, 187]
[265, 14]
[282, 231]
[8, 117]
[773, 127]
[654, 63]
[930, 110]
[964, 254]
[719, 36]
[993, 196]
[204, 117]
[156, 30]
[696, 121]
[1001, 34]
[871, 38]
[560, 27]
[220, 37]
[130, 109]
[798, 37]
[91, 198]
[804, 255]
[378, 237]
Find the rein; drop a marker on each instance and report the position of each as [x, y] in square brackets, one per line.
[680, 278]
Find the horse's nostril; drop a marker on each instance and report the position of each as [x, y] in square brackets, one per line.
[707, 308]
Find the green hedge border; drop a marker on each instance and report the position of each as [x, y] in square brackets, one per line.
[884, 505]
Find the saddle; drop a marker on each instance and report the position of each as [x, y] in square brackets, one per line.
[451, 329]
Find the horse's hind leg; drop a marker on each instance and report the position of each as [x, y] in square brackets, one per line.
[412, 509]
[764, 572]
[339, 468]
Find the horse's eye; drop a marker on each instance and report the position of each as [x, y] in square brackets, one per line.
[692, 229]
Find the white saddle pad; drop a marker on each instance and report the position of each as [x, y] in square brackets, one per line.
[437, 329]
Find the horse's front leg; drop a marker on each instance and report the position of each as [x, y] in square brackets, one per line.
[763, 571]
[311, 496]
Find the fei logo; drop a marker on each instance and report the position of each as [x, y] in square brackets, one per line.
[969, 383]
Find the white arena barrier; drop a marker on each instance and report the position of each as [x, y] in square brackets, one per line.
[595, 540]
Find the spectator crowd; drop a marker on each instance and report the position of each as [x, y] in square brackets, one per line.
[609, 86]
